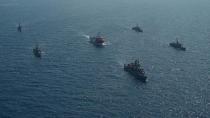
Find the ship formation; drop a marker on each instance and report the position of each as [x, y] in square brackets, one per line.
[133, 68]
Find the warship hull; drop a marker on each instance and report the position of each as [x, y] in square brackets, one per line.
[96, 42]
[137, 29]
[19, 29]
[137, 75]
[174, 45]
[37, 53]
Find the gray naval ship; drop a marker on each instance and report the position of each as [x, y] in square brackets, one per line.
[137, 28]
[177, 45]
[37, 52]
[19, 28]
[136, 70]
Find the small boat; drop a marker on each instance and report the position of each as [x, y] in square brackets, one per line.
[37, 51]
[97, 40]
[19, 28]
[136, 70]
[177, 45]
[137, 28]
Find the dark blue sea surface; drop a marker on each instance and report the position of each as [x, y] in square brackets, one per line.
[75, 79]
